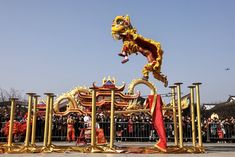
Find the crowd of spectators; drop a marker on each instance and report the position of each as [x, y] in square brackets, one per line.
[220, 129]
[129, 128]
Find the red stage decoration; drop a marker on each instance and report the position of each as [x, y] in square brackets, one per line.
[154, 102]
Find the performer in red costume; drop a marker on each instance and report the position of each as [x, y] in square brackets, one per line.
[16, 129]
[154, 102]
[70, 129]
[100, 136]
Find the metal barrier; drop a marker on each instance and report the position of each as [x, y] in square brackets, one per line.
[137, 131]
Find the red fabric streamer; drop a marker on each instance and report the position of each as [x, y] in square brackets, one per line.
[154, 102]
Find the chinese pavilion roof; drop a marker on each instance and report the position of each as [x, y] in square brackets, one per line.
[103, 94]
[109, 84]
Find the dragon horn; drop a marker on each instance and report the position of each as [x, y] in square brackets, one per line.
[127, 18]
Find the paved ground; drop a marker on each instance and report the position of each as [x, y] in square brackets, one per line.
[212, 150]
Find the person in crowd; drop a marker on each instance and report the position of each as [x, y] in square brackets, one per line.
[130, 128]
[40, 128]
[213, 127]
[100, 134]
[87, 119]
[220, 133]
[119, 129]
[70, 129]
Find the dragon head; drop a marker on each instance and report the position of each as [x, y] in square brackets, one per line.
[120, 26]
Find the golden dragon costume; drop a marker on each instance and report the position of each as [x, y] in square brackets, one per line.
[134, 43]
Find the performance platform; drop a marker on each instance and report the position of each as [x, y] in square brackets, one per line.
[212, 150]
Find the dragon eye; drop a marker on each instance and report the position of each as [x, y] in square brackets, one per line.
[119, 22]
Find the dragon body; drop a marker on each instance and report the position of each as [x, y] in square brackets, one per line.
[134, 43]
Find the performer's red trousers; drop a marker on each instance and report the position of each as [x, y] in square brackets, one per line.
[70, 134]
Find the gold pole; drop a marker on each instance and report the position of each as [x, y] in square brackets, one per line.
[112, 119]
[198, 114]
[180, 114]
[50, 119]
[27, 136]
[174, 115]
[46, 120]
[12, 117]
[34, 120]
[192, 114]
[93, 116]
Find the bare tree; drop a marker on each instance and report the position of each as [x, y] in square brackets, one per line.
[3, 96]
[12, 93]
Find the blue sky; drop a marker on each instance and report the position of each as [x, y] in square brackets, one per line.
[52, 46]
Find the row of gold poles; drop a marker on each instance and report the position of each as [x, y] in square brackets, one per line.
[12, 117]
[34, 120]
[28, 129]
[30, 103]
[179, 114]
[198, 114]
[198, 105]
[180, 136]
[112, 119]
[192, 115]
[174, 115]
[48, 120]
[93, 116]
[49, 143]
